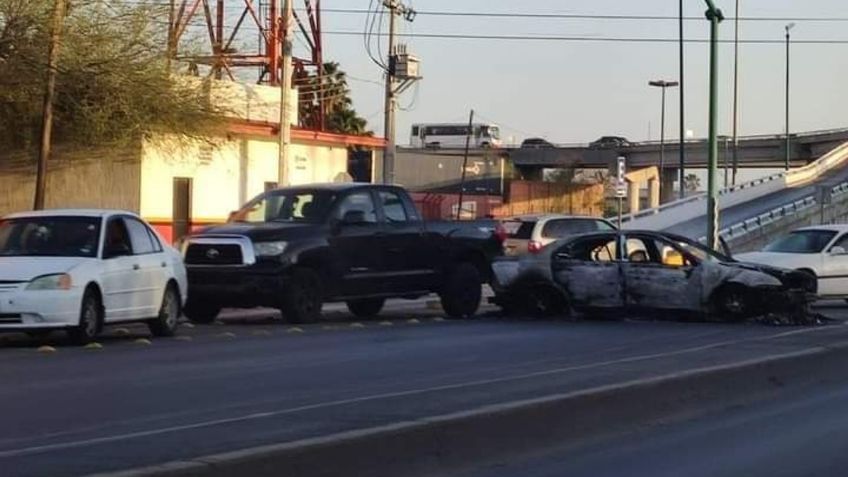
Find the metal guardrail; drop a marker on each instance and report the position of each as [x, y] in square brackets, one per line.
[749, 225]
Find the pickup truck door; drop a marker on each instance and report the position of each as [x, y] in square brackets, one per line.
[409, 256]
[357, 247]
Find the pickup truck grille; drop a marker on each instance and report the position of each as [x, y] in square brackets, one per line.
[214, 254]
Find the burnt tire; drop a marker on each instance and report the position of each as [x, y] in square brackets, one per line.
[366, 308]
[462, 291]
[201, 312]
[90, 321]
[732, 303]
[544, 302]
[168, 320]
[302, 297]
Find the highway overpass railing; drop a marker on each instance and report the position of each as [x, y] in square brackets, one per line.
[692, 207]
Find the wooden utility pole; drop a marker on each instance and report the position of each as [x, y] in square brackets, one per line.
[286, 102]
[59, 7]
[468, 134]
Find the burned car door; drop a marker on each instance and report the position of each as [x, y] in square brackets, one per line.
[587, 268]
[659, 275]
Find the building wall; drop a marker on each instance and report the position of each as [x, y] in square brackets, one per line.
[226, 174]
[99, 178]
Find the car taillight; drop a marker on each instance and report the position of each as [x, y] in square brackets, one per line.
[534, 247]
[500, 233]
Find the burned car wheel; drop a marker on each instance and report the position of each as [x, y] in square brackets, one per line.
[732, 303]
[366, 308]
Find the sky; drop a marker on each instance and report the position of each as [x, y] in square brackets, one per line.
[577, 91]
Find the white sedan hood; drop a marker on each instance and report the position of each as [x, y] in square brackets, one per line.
[774, 259]
[24, 269]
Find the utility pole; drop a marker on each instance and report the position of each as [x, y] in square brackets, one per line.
[682, 164]
[735, 93]
[395, 8]
[285, 93]
[664, 85]
[715, 17]
[59, 7]
[788, 28]
[468, 134]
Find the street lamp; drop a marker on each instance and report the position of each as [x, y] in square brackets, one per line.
[682, 151]
[788, 29]
[664, 85]
[715, 17]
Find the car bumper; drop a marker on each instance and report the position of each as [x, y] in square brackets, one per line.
[22, 310]
[236, 286]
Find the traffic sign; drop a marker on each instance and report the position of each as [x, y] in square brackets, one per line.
[621, 183]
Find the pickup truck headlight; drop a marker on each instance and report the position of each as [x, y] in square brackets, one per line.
[269, 249]
[59, 281]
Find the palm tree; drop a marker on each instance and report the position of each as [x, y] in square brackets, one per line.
[339, 115]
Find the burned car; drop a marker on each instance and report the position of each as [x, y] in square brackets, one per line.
[643, 271]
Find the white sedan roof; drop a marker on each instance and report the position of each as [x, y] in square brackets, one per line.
[832, 227]
[70, 213]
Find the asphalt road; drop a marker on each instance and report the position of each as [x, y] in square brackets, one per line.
[732, 215]
[252, 380]
[796, 434]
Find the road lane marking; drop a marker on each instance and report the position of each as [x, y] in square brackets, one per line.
[398, 394]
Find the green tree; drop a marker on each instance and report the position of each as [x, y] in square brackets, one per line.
[113, 79]
[691, 183]
[340, 117]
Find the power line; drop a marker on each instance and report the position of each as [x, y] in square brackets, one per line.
[464, 36]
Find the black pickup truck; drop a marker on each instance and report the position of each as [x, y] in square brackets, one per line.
[296, 248]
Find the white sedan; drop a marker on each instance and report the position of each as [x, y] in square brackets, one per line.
[79, 270]
[821, 250]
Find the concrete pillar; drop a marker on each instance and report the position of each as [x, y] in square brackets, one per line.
[633, 196]
[653, 193]
[668, 178]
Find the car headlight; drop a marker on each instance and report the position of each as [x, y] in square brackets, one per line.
[269, 249]
[59, 281]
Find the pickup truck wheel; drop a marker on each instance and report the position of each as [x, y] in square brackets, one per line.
[302, 299]
[366, 308]
[201, 313]
[462, 291]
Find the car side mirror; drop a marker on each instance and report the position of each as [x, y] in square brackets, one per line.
[837, 250]
[116, 250]
[353, 217]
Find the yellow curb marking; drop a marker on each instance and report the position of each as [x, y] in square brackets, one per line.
[143, 341]
[46, 349]
[93, 345]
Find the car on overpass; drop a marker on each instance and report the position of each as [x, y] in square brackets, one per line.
[531, 233]
[820, 250]
[536, 143]
[645, 271]
[78, 270]
[610, 142]
[296, 248]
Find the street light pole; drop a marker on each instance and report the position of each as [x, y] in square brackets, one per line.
[735, 93]
[664, 85]
[788, 28]
[715, 17]
[682, 151]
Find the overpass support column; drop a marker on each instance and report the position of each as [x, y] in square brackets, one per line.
[668, 178]
[633, 194]
[654, 192]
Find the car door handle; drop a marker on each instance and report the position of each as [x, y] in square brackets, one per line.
[163, 265]
[136, 266]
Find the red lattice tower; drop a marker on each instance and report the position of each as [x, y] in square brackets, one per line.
[230, 23]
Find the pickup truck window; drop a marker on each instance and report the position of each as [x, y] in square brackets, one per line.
[357, 201]
[393, 207]
[288, 206]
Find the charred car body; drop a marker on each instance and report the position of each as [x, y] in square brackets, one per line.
[646, 271]
[296, 248]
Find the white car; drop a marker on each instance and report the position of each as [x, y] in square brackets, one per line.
[78, 270]
[821, 250]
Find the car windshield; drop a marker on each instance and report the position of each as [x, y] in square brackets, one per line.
[702, 253]
[307, 206]
[49, 237]
[802, 241]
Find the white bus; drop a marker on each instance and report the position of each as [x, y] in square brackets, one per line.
[453, 135]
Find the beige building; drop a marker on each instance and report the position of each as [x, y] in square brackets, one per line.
[178, 183]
